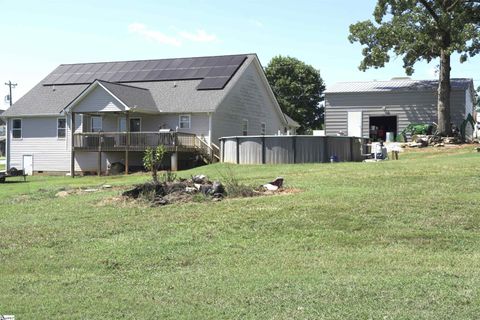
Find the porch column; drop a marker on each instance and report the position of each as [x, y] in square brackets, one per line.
[72, 145]
[127, 120]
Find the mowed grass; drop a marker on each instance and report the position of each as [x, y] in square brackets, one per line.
[391, 240]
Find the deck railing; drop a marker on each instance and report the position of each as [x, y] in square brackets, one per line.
[133, 141]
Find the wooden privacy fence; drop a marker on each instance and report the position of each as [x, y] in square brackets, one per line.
[290, 149]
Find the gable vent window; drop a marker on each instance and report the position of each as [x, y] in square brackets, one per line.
[184, 121]
[61, 128]
[17, 128]
[263, 128]
[245, 127]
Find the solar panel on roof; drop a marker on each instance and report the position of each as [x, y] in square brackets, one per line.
[213, 83]
[215, 72]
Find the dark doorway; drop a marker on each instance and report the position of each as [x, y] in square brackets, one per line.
[379, 126]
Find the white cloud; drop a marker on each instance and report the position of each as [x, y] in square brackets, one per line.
[157, 36]
[198, 36]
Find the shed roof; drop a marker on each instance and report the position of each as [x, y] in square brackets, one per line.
[396, 85]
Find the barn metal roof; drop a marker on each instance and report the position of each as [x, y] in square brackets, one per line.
[395, 85]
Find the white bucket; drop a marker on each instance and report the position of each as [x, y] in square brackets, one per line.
[390, 137]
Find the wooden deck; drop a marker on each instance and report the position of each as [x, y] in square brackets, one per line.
[134, 141]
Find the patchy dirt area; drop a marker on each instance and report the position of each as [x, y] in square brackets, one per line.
[198, 188]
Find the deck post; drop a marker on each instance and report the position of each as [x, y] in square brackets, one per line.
[99, 156]
[264, 149]
[222, 150]
[174, 161]
[127, 146]
[72, 145]
[294, 146]
[238, 150]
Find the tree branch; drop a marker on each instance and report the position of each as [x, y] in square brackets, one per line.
[453, 5]
[431, 11]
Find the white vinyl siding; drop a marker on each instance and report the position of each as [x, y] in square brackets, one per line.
[184, 121]
[39, 139]
[99, 100]
[248, 99]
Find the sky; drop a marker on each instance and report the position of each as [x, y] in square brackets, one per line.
[37, 36]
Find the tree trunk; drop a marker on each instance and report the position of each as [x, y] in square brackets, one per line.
[444, 124]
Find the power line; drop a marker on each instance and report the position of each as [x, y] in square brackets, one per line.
[10, 87]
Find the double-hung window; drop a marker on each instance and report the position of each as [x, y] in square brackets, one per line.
[61, 128]
[263, 128]
[245, 127]
[17, 128]
[184, 121]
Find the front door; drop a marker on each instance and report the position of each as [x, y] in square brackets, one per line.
[28, 164]
[135, 125]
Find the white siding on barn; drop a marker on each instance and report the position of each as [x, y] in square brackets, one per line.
[408, 107]
[249, 100]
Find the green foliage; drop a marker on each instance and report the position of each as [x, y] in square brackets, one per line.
[418, 30]
[360, 241]
[299, 90]
[421, 30]
[152, 159]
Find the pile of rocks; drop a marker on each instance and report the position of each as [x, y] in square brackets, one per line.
[178, 191]
[422, 141]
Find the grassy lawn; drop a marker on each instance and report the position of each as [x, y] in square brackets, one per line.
[391, 240]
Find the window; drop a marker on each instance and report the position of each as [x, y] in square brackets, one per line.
[17, 128]
[61, 128]
[245, 127]
[135, 124]
[96, 124]
[263, 128]
[184, 121]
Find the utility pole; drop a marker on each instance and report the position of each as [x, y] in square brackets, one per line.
[10, 86]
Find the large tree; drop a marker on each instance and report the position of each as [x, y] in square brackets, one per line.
[421, 30]
[298, 88]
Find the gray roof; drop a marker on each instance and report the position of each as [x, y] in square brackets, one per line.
[400, 84]
[133, 97]
[168, 96]
[291, 122]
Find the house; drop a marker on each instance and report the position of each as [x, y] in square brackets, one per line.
[84, 117]
[375, 108]
[3, 137]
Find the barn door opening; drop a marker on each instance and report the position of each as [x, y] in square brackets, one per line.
[355, 123]
[380, 127]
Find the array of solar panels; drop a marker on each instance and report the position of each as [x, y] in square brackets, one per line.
[215, 72]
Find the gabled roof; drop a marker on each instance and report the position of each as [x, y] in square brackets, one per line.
[291, 122]
[396, 85]
[49, 97]
[129, 96]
